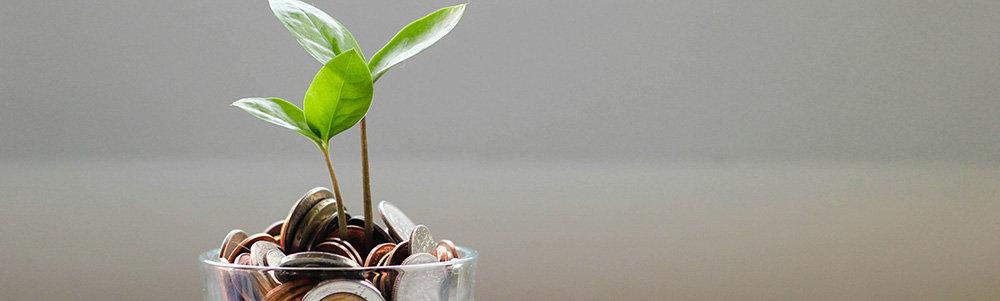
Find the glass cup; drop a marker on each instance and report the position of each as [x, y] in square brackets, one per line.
[448, 280]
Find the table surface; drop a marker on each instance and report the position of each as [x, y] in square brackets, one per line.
[131, 229]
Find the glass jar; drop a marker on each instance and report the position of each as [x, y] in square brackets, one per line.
[447, 280]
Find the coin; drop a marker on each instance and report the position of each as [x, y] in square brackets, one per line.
[316, 260]
[318, 218]
[377, 231]
[422, 283]
[377, 253]
[356, 221]
[398, 254]
[259, 250]
[243, 258]
[287, 289]
[275, 228]
[442, 253]
[421, 240]
[340, 289]
[229, 244]
[244, 245]
[273, 257]
[298, 211]
[356, 238]
[247, 285]
[337, 247]
[400, 226]
[450, 246]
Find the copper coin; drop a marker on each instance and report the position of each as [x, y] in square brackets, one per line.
[229, 244]
[244, 245]
[385, 259]
[355, 236]
[381, 236]
[400, 226]
[442, 253]
[312, 223]
[351, 249]
[286, 289]
[421, 240]
[377, 253]
[341, 289]
[336, 247]
[259, 250]
[275, 228]
[298, 211]
[450, 246]
[295, 294]
[377, 231]
[398, 254]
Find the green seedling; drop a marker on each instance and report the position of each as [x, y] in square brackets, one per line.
[337, 99]
[341, 92]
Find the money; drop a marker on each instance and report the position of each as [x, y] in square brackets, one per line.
[275, 228]
[229, 244]
[316, 220]
[420, 284]
[273, 257]
[355, 236]
[290, 290]
[299, 210]
[377, 253]
[400, 226]
[314, 260]
[340, 289]
[339, 247]
[449, 246]
[244, 246]
[304, 257]
[421, 240]
[259, 250]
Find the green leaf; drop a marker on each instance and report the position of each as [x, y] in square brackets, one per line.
[279, 112]
[414, 38]
[318, 33]
[339, 95]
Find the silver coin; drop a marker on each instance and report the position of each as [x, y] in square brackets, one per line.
[273, 257]
[421, 240]
[317, 219]
[258, 252]
[425, 283]
[400, 226]
[299, 210]
[316, 259]
[341, 289]
[230, 243]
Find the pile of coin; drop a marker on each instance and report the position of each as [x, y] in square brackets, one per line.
[309, 237]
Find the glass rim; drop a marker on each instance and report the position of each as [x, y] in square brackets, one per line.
[208, 258]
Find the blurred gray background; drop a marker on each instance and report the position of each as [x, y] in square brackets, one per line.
[589, 150]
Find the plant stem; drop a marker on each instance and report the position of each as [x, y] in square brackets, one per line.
[341, 217]
[367, 186]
